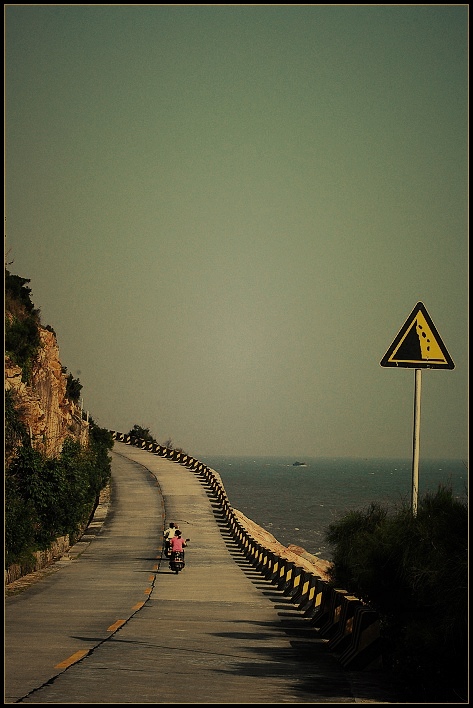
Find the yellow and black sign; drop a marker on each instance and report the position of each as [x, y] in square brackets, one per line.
[418, 344]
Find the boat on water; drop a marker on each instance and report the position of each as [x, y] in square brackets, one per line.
[299, 464]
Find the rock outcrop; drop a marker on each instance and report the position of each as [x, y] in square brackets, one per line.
[48, 414]
[292, 553]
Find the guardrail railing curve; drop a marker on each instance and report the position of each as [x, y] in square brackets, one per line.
[350, 627]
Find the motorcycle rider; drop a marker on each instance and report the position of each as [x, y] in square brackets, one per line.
[168, 534]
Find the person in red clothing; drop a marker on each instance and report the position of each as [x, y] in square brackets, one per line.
[177, 542]
[177, 545]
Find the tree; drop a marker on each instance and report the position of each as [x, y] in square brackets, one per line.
[414, 571]
[142, 433]
[73, 388]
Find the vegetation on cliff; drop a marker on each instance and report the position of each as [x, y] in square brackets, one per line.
[51, 497]
[413, 569]
[22, 339]
[45, 497]
[137, 431]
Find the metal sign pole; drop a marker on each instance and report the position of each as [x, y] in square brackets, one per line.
[417, 346]
[415, 441]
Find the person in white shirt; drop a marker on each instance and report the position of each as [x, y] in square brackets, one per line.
[168, 534]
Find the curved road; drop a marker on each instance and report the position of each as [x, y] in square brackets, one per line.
[114, 625]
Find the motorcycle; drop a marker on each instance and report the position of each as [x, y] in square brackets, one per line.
[177, 562]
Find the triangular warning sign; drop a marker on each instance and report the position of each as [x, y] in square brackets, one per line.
[418, 344]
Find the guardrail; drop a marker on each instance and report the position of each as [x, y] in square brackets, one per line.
[348, 625]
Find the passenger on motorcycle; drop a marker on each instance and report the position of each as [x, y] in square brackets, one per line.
[168, 534]
[177, 544]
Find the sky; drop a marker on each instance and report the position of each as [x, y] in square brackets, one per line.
[228, 212]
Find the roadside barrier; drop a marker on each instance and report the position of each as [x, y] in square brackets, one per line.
[351, 628]
[273, 574]
[329, 627]
[318, 612]
[301, 595]
[344, 634]
[307, 599]
[293, 583]
[285, 575]
[268, 568]
[263, 560]
[364, 651]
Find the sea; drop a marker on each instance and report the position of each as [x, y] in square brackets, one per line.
[297, 503]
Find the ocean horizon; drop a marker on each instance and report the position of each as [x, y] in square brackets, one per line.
[297, 503]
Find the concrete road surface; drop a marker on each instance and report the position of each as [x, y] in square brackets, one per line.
[115, 625]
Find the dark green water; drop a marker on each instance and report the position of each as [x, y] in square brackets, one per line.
[296, 504]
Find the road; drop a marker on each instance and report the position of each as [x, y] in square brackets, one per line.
[115, 625]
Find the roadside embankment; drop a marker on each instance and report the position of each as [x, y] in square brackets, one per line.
[292, 553]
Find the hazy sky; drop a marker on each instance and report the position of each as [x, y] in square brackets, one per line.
[228, 212]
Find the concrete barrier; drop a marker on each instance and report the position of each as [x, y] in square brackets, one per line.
[273, 574]
[342, 638]
[329, 627]
[307, 600]
[317, 610]
[300, 596]
[292, 587]
[364, 650]
[262, 564]
[285, 575]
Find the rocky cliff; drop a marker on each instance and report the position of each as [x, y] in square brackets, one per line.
[49, 416]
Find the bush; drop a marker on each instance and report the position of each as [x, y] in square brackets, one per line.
[141, 433]
[20, 523]
[18, 295]
[16, 433]
[414, 571]
[22, 340]
[73, 388]
[47, 498]
[22, 343]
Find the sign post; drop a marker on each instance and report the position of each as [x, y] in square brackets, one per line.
[418, 346]
[416, 441]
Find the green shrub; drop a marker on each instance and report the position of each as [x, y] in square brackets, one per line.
[141, 433]
[414, 571]
[20, 523]
[51, 497]
[22, 343]
[18, 294]
[22, 320]
[73, 388]
[15, 430]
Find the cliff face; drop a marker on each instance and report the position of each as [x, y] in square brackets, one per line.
[43, 406]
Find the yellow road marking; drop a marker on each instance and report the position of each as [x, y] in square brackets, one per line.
[116, 625]
[138, 606]
[72, 659]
